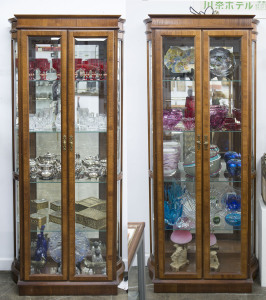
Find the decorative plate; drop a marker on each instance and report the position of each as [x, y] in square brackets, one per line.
[222, 62]
[178, 60]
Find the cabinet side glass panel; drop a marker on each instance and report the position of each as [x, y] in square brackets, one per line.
[90, 155]
[16, 147]
[225, 155]
[179, 160]
[119, 145]
[15, 107]
[45, 154]
[253, 146]
[253, 126]
[17, 220]
[151, 145]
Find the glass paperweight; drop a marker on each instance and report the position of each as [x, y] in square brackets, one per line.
[234, 167]
[233, 219]
[232, 200]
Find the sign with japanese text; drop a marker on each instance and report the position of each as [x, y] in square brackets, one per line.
[257, 8]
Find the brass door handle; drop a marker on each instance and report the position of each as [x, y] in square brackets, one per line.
[64, 142]
[206, 143]
[71, 143]
[198, 141]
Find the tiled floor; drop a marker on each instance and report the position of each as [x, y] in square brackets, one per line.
[259, 293]
[9, 291]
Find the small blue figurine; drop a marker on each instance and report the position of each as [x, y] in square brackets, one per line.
[41, 248]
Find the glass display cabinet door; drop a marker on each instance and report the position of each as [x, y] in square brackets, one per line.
[177, 136]
[43, 83]
[92, 155]
[226, 148]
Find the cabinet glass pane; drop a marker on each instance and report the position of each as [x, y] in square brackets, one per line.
[151, 146]
[119, 223]
[225, 155]
[119, 109]
[45, 154]
[253, 112]
[15, 108]
[119, 145]
[17, 219]
[91, 155]
[179, 154]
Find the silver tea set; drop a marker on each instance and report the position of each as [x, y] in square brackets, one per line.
[90, 167]
[45, 167]
[48, 166]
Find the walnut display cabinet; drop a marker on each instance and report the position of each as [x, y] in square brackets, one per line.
[201, 96]
[67, 141]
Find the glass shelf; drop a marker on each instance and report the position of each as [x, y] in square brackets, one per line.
[223, 229]
[189, 131]
[59, 131]
[177, 131]
[181, 176]
[94, 180]
[225, 80]
[82, 180]
[83, 80]
[176, 80]
[53, 227]
[45, 181]
[44, 80]
[225, 131]
[45, 99]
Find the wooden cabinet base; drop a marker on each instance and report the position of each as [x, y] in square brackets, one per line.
[49, 288]
[203, 285]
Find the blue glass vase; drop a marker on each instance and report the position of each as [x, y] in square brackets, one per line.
[41, 248]
[173, 206]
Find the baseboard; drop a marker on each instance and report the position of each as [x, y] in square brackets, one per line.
[5, 264]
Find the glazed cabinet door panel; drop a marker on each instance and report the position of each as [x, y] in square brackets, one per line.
[177, 128]
[42, 84]
[92, 138]
[226, 154]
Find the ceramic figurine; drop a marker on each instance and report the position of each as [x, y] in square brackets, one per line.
[97, 257]
[181, 238]
[214, 262]
[179, 257]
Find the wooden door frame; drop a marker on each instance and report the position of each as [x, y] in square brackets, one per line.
[158, 153]
[25, 153]
[111, 259]
[245, 245]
